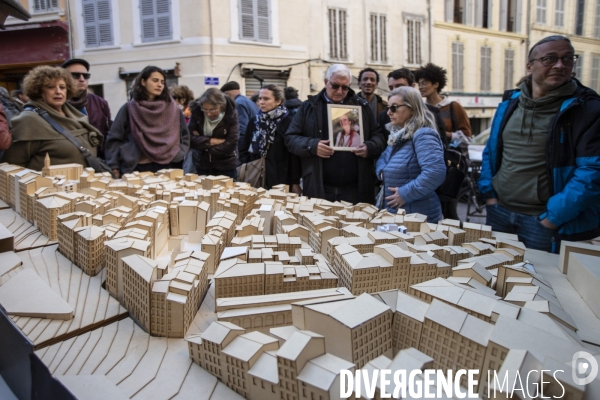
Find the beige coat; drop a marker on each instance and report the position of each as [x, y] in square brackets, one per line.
[33, 137]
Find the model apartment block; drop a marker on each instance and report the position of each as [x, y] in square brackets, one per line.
[235, 277]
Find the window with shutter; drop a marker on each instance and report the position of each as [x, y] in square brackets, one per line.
[449, 10]
[597, 20]
[579, 68]
[559, 13]
[156, 20]
[413, 35]
[595, 75]
[486, 69]
[579, 17]
[45, 5]
[457, 66]
[509, 69]
[503, 15]
[540, 12]
[255, 20]
[338, 46]
[97, 21]
[378, 38]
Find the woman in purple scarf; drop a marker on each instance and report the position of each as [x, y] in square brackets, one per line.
[149, 132]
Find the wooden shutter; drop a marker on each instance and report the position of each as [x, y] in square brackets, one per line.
[457, 66]
[519, 16]
[579, 68]
[597, 20]
[486, 69]
[263, 20]
[479, 13]
[148, 20]
[97, 20]
[509, 69]
[503, 15]
[105, 28]
[383, 32]
[333, 34]
[255, 20]
[579, 17]
[156, 20]
[343, 35]
[449, 10]
[90, 24]
[247, 19]
[595, 76]
[164, 19]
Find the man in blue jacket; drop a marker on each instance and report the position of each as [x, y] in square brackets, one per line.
[541, 166]
[246, 108]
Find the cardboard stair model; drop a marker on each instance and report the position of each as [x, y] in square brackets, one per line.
[27, 295]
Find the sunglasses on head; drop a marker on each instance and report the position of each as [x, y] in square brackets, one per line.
[336, 86]
[77, 75]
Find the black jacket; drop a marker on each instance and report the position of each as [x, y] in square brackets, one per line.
[222, 157]
[305, 132]
[281, 165]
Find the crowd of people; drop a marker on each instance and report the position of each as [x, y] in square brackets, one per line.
[540, 173]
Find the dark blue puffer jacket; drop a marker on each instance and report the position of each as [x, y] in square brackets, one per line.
[573, 162]
[417, 167]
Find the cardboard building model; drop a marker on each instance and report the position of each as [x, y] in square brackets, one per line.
[275, 293]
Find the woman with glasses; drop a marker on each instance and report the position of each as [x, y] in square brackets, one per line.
[264, 138]
[48, 89]
[215, 133]
[149, 132]
[412, 166]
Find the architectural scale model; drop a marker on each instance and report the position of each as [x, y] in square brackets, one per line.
[274, 294]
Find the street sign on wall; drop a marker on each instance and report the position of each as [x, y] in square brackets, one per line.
[211, 80]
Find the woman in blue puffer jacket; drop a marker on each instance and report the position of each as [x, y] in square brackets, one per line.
[412, 166]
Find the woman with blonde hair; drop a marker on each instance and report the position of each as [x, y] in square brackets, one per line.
[48, 89]
[215, 133]
[412, 166]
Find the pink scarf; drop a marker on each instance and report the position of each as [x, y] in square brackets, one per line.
[155, 126]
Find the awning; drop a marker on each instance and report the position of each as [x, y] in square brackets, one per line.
[28, 45]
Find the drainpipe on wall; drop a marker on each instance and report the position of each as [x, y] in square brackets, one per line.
[70, 25]
[528, 41]
[430, 27]
[212, 37]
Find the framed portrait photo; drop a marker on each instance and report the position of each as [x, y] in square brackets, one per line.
[345, 127]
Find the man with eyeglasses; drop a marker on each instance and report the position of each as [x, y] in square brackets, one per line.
[341, 175]
[541, 165]
[94, 106]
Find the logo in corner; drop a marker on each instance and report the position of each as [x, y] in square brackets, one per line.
[584, 368]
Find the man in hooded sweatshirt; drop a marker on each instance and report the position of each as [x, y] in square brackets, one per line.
[541, 165]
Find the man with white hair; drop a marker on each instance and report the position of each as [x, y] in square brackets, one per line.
[341, 175]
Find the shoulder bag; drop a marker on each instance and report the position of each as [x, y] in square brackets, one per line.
[94, 162]
[254, 172]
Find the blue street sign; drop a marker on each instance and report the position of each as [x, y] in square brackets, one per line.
[211, 80]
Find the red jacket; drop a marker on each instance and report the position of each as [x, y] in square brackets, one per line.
[5, 135]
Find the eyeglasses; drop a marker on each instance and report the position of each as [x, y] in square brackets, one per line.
[395, 107]
[213, 111]
[336, 86]
[78, 75]
[549, 61]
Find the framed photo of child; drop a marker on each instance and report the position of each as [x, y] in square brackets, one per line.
[345, 127]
